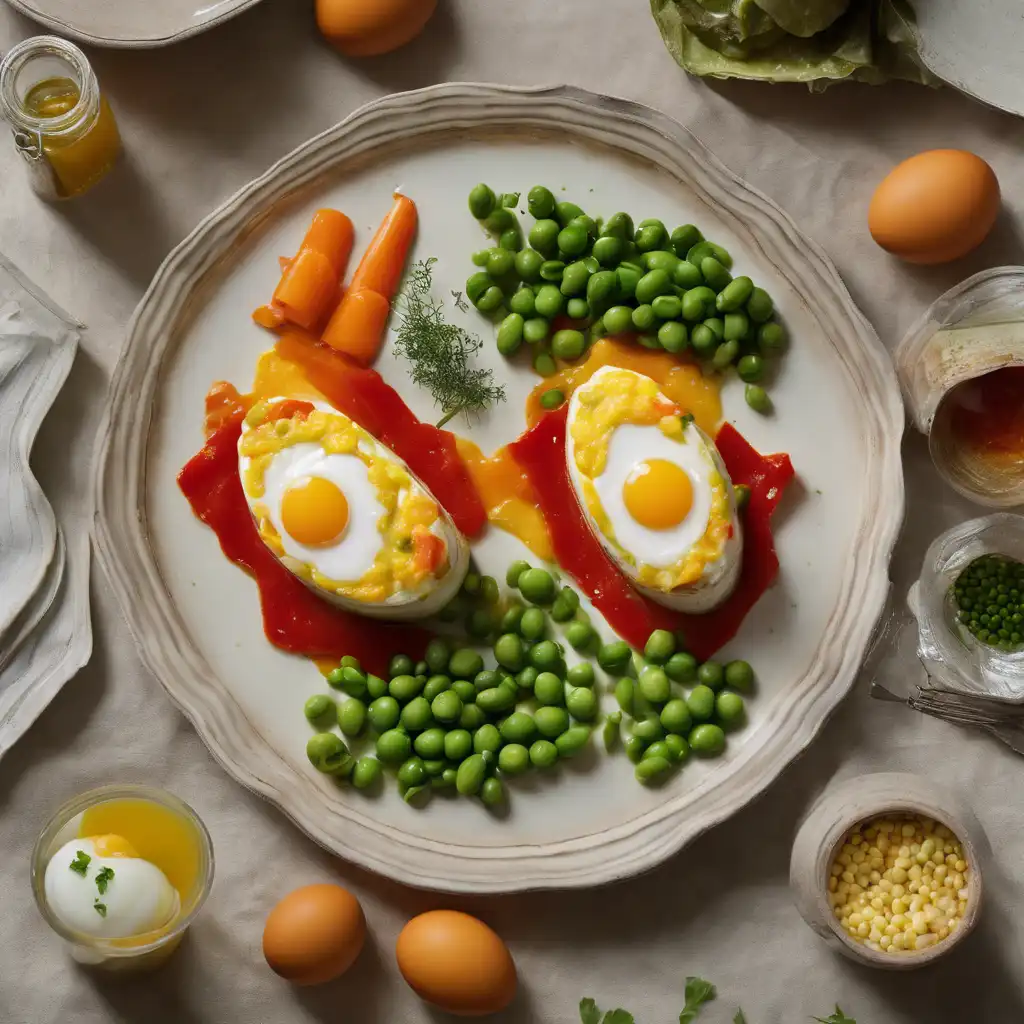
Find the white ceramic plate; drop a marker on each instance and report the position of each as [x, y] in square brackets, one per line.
[196, 616]
[130, 23]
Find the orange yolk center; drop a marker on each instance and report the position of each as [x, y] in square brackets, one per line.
[314, 512]
[658, 494]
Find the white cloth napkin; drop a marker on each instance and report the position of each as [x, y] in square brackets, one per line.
[45, 628]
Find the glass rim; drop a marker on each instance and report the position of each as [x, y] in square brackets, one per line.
[90, 798]
[10, 102]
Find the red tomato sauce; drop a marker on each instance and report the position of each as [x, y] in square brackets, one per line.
[541, 453]
[294, 618]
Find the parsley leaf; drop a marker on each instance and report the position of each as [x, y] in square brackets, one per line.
[100, 908]
[739, 1018]
[836, 1018]
[589, 1013]
[618, 1017]
[103, 877]
[698, 992]
[80, 863]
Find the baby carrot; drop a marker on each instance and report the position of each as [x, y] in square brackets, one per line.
[358, 325]
[382, 264]
[308, 289]
[332, 234]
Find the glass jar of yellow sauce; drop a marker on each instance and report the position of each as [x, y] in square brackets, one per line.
[63, 126]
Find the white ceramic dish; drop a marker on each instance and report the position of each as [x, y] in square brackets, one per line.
[129, 23]
[196, 616]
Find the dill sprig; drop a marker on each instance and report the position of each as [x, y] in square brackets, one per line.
[439, 351]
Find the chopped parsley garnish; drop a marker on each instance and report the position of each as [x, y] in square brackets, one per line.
[103, 877]
[81, 862]
[100, 908]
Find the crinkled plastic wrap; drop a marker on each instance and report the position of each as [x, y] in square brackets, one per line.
[952, 657]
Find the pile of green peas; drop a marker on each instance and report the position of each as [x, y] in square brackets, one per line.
[989, 597]
[672, 291]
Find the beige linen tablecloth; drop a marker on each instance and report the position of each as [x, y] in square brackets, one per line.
[201, 119]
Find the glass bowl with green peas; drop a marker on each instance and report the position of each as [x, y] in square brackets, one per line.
[969, 607]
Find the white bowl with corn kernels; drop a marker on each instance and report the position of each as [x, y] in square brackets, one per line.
[886, 868]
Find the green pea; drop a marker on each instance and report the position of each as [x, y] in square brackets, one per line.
[771, 338]
[404, 688]
[375, 686]
[551, 721]
[544, 364]
[511, 619]
[654, 685]
[515, 570]
[519, 727]
[684, 238]
[384, 713]
[635, 748]
[581, 674]
[565, 605]
[486, 679]
[660, 646]
[545, 656]
[352, 717]
[577, 309]
[760, 306]
[628, 277]
[472, 717]
[458, 745]
[465, 663]
[568, 344]
[652, 770]
[496, 700]
[716, 275]
[660, 259]
[659, 749]
[527, 265]
[412, 772]
[565, 212]
[393, 746]
[465, 691]
[608, 251]
[644, 318]
[696, 302]
[543, 753]
[489, 591]
[491, 300]
[437, 654]
[681, 667]
[349, 679]
[653, 284]
[446, 780]
[574, 280]
[549, 689]
[739, 676]
[430, 744]
[537, 586]
[649, 729]
[625, 695]
[509, 651]
[725, 354]
[618, 225]
[533, 625]
[544, 236]
[711, 674]
[481, 201]
[648, 340]
[477, 284]
[471, 774]
[511, 239]
[320, 708]
[717, 327]
[757, 398]
[480, 257]
[618, 320]
[499, 262]
[675, 717]
[707, 740]
[678, 747]
[701, 702]
[750, 368]
[614, 657]
[703, 249]
[611, 733]
[730, 709]
[492, 792]
[510, 334]
[582, 704]
[667, 307]
[535, 330]
[421, 669]
[736, 325]
[552, 271]
[514, 759]
[487, 738]
[447, 707]
[573, 240]
[581, 635]
[573, 740]
[540, 201]
[703, 340]
[366, 772]
[734, 294]
[549, 301]
[685, 275]
[500, 219]
[328, 754]
[416, 715]
[650, 235]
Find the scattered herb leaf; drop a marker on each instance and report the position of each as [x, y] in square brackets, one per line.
[460, 303]
[103, 877]
[836, 1018]
[100, 908]
[80, 863]
[439, 352]
[739, 1018]
[589, 1013]
[698, 992]
[618, 1017]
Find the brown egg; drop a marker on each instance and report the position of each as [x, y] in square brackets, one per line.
[367, 28]
[314, 934]
[935, 207]
[457, 963]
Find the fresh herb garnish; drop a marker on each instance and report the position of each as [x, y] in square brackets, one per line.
[739, 1018]
[836, 1018]
[460, 303]
[81, 862]
[103, 877]
[100, 908]
[686, 419]
[698, 992]
[440, 352]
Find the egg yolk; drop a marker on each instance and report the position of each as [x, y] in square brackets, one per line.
[314, 512]
[113, 845]
[658, 494]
